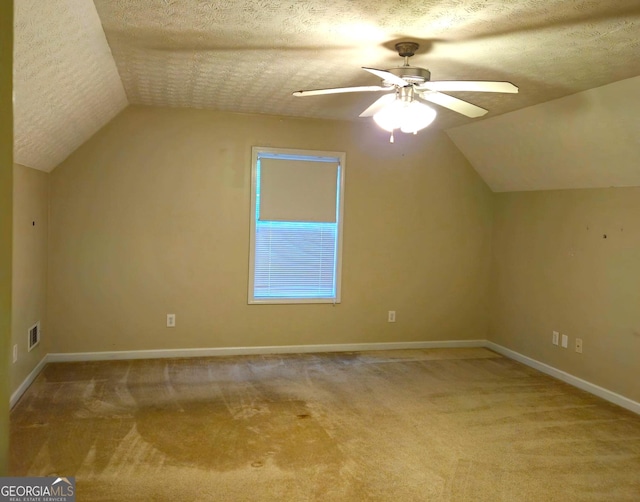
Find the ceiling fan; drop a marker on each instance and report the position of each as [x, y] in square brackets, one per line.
[405, 109]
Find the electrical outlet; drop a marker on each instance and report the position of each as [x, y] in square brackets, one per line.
[15, 353]
[565, 341]
[391, 317]
[579, 345]
[171, 320]
[556, 337]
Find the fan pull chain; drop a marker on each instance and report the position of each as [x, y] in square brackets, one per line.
[391, 138]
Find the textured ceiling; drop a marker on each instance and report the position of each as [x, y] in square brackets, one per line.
[66, 85]
[249, 55]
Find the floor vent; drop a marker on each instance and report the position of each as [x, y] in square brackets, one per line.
[34, 335]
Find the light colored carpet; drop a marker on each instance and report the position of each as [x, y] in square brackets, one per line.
[427, 425]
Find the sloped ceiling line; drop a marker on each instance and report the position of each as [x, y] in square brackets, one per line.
[587, 140]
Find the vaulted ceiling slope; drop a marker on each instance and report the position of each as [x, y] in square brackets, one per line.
[587, 140]
[66, 85]
[78, 63]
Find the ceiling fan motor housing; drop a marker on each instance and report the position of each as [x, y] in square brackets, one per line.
[412, 75]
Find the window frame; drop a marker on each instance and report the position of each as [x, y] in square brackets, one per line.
[340, 158]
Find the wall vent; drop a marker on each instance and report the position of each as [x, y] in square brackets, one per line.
[34, 335]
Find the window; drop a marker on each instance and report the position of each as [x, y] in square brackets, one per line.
[296, 226]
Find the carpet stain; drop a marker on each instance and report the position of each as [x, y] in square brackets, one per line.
[207, 435]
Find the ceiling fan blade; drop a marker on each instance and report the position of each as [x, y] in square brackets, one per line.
[378, 105]
[468, 85]
[338, 90]
[387, 76]
[455, 104]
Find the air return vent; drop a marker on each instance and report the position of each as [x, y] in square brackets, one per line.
[34, 335]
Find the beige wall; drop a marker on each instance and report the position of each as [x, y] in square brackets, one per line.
[554, 270]
[30, 231]
[151, 216]
[6, 210]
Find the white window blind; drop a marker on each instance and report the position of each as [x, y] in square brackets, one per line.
[298, 190]
[296, 226]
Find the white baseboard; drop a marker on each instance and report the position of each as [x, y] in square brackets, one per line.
[347, 347]
[269, 349]
[608, 395]
[231, 351]
[17, 394]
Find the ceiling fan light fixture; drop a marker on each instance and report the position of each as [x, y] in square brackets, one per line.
[390, 116]
[409, 117]
[416, 117]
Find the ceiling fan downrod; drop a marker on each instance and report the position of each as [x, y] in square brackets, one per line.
[406, 50]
